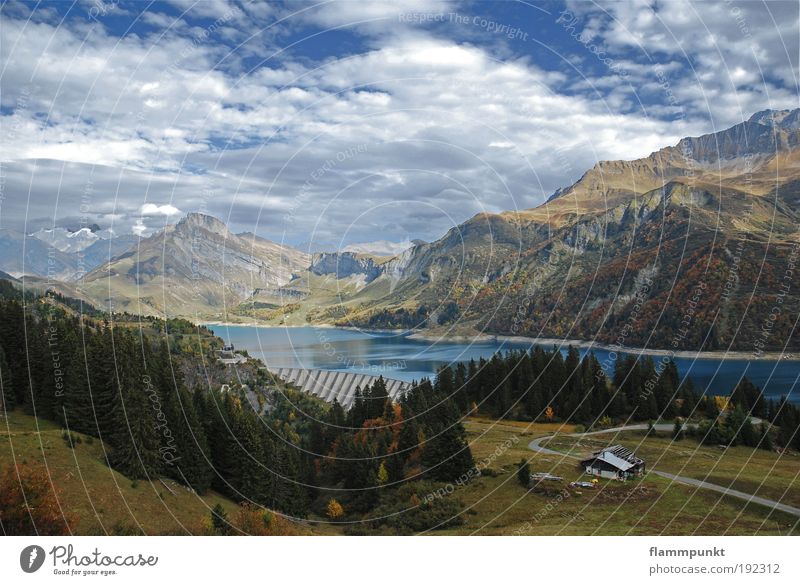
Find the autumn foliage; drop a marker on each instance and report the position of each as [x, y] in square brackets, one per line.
[29, 504]
[334, 509]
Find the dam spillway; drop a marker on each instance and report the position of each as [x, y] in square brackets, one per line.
[330, 385]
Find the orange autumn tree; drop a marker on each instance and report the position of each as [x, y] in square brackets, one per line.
[29, 504]
[334, 509]
[252, 520]
[548, 413]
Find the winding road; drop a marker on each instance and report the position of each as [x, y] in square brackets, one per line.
[536, 446]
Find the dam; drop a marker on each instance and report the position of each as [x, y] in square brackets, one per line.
[330, 385]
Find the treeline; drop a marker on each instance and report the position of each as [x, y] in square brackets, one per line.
[542, 385]
[126, 388]
[545, 385]
[378, 445]
[124, 385]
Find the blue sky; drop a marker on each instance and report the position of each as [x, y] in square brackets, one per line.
[324, 124]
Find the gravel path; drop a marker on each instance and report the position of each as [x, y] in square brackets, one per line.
[535, 445]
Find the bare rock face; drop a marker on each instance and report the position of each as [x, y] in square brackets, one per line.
[743, 147]
[344, 265]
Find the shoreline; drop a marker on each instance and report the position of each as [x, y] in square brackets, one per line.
[543, 341]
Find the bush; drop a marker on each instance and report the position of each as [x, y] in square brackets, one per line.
[416, 507]
[29, 504]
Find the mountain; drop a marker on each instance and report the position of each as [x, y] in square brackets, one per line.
[59, 254]
[106, 249]
[22, 254]
[617, 256]
[6, 276]
[346, 264]
[66, 240]
[381, 247]
[196, 267]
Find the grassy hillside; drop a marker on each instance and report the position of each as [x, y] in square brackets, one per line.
[495, 503]
[755, 471]
[104, 501]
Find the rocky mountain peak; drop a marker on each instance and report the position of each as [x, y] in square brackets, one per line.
[196, 220]
[783, 119]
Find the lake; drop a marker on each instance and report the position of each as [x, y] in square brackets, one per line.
[395, 355]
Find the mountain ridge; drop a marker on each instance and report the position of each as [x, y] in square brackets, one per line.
[571, 267]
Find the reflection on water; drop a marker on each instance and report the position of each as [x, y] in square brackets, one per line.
[394, 355]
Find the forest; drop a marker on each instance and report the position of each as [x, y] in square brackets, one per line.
[148, 389]
[123, 381]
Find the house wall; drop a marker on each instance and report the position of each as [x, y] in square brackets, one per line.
[606, 473]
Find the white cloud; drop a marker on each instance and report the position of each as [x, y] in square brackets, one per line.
[139, 229]
[152, 210]
[409, 116]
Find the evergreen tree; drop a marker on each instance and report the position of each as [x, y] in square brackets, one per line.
[7, 397]
[136, 453]
[188, 457]
[677, 431]
[523, 473]
[78, 411]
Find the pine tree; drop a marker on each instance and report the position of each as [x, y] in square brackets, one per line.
[524, 473]
[136, 453]
[219, 521]
[78, 412]
[103, 383]
[7, 397]
[189, 461]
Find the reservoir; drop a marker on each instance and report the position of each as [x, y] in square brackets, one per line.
[396, 355]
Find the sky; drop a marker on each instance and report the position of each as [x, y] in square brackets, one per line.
[332, 124]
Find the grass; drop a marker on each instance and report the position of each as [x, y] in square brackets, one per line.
[494, 503]
[755, 471]
[104, 501]
[653, 505]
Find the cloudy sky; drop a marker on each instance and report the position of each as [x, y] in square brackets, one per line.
[325, 124]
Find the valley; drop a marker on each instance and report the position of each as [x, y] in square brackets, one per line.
[613, 258]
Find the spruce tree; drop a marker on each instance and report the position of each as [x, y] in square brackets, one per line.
[136, 453]
[7, 397]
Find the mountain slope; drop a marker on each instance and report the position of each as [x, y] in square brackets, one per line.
[103, 500]
[625, 245]
[21, 254]
[196, 267]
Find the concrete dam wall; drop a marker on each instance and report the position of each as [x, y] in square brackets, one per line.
[329, 385]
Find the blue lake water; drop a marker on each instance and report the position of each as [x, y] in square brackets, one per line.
[395, 355]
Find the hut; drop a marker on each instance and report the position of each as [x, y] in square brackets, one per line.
[615, 462]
